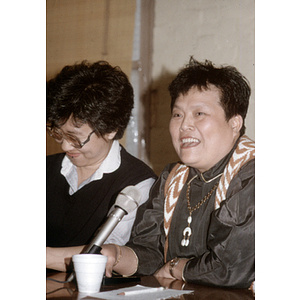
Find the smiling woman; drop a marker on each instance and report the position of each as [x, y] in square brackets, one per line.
[198, 224]
[88, 109]
[200, 133]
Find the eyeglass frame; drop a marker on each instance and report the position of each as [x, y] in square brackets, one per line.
[63, 136]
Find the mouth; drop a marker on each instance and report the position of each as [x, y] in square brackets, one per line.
[72, 155]
[189, 142]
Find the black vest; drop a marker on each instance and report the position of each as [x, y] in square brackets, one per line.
[73, 219]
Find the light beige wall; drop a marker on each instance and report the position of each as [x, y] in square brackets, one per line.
[220, 31]
[88, 30]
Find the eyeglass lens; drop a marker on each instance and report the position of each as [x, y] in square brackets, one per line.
[59, 136]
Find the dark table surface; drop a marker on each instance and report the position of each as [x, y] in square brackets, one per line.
[66, 291]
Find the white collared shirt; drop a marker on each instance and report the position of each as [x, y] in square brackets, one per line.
[112, 162]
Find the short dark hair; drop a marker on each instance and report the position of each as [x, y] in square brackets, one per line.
[234, 87]
[96, 94]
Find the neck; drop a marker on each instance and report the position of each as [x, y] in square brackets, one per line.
[84, 173]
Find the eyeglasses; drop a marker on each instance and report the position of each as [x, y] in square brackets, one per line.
[72, 140]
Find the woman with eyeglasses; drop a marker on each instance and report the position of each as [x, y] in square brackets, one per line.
[88, 109]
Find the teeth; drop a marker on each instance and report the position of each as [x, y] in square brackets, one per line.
[190, 140]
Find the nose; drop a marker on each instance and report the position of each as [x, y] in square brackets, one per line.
[66, 146]
[186, 124]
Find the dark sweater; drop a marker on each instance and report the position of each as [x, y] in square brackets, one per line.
[73, 219]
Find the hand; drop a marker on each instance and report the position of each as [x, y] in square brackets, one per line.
[121, 259]
[164, 272]
[111, 251]
[170, 283]
[177, 270]
[60, 258]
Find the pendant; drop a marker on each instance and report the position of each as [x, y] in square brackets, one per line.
[187, 232]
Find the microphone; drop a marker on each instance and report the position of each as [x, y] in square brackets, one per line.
[127, 201]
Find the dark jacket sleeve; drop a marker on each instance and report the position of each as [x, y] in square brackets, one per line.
[148, 238]
[229, 260]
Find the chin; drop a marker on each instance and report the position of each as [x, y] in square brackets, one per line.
[188, 159]
[188, 162]
[192, 164]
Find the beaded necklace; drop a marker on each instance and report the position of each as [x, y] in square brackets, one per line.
[187, 232]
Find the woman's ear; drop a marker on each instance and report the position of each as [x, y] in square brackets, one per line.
[236, 123]
[110, 136]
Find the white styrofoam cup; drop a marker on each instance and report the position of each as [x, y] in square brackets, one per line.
[89, 270]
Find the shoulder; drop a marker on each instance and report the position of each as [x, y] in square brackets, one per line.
[129, 158]
[159, 185]
[167, 171]
[170, 167]
[245, 177]
[248, 170]
[239, 204]
[130, 162]
[54, 159]
[165, 177]
[53, 166]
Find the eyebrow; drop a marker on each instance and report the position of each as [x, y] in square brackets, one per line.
[71, 132]
[201, 105]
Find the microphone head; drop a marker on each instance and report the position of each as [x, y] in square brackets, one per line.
[129, 199]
